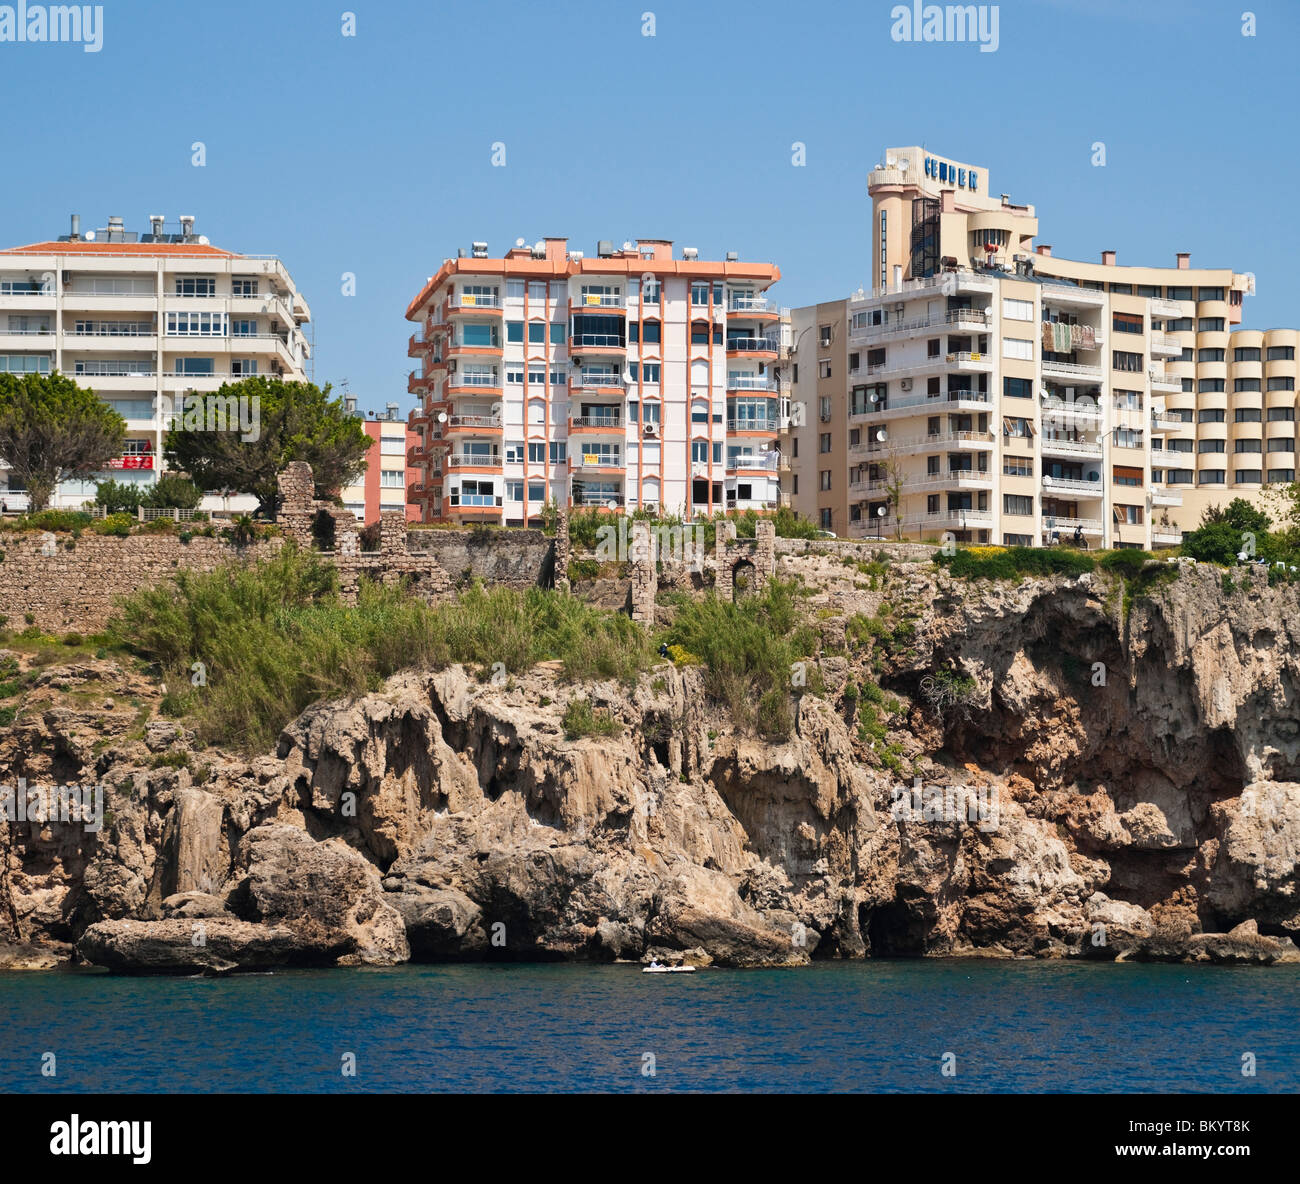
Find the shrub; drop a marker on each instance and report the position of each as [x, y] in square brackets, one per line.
[160, 526]
[56, 520]
[583, 569]
[118, 525]
[581, 719]
[72, 639]
[118, 496]
[1127, 563]
[1005, 563]
[369, 537]
[243, 531]
[172, 492]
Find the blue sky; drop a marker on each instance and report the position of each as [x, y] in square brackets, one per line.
[372, 154]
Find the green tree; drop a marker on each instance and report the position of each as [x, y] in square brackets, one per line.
[172, 492]
[294, 421]
[117, 497]
[52, 430]
[1238, 514]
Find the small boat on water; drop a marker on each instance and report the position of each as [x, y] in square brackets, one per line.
[655, 968]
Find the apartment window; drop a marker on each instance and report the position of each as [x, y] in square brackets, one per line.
[649, 371]
[1179, 445]
[196, 285]
[1128, 515]
[1281, 444]
[1247, 415]
[243, 328]
[514, 373]
[824, 369]
[1018, 466]
[1016, 426]
[196, 324]
[1210, 415]
[700, 334]
[1209, 385]
[1149, 290]
[824, 442]
[1018, 347]
[1248, 476]
[1210, 355]
[825, 515]
[700, 294]
[1211, 446]
[1188, 386]
[824, 336]
[1127, 438]
[1178, 476]
[1122, 475]
[1122, 289]
[1285, 475]
[1281, 384]
[1018, 388]
[1245, 384]
[1281, 353]
[1281, 414]
[24, 363]
[1126, 322]
[536, 291]
[515, 332]
[855, 437]
[1017, 310]
[243, 367]
[195, 366]
[1128, 400]
[1180, 325]
[536, 333]
[855, 361]
[1245, 354]
[794, 446]
[794, 483]
[243, 287]
[536, 454]
[391, 478]
[1188, 354]
[1211, 477]
[824, 408]
[648, 332]
[514, 289]
[1209, 325]
[1122, 360]
[1178, 293]
[537, 491]
[933, 347]
[825, 480]
[558, 451]
[1016, 503]
[1209, 293]
[514, 450]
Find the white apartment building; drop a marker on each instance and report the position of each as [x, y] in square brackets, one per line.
[142, 319]
[632, 379]
[988, 389]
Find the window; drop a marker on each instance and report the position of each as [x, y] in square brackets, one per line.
[824, 369]
[557, 450]
[243, 367]
[1122, 475]
[1210, 355]
[1016, 426]
[1122, 360]
[1018, 466]
[1178, 293]
[1179, 325]
[1126, 322]
[1128, 400]
[1209, 325]
[1178, 476]
[1281, 384]
[1128, 515]
[825, 479]
[514, 372]
[514, 289]
[515, 331]
[648, 371]
[1245, 384]
[195, 366]
[1286, 475]
[514, 452]
[1282, 444]
[391, 478]
[824, 336]
[1209, 385]
[1245, 354]
[243, 328]
[1017, 347]
[824, 408]
[1209, 293]
[1281, 353]
[1210, 477]
[392, 446]
[196, 324]
[243, 287]
[1015, 503]
[196, 285]
[480, 335]
[1281, 415]
[536, 333]
[1248, 476]
[1017, 310]
[649, 332]
[1210, 415]
[1211, 445]
[1178, 445]
[1247, 415]
[24, 363]
[1127, 438]
[824, 442]
[794, 483]
[825, 515]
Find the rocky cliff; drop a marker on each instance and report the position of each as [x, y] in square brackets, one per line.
[1053, 768]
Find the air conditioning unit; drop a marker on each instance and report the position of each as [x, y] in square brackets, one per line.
[651, 429]
[906, 384]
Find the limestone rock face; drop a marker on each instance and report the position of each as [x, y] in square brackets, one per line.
[1120, 779]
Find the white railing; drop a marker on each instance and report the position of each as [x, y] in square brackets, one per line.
[937, 440]
[1066, 409]
[475, 300]
[600, 300]
[598, 378]
[597, 460]
[1071, 447]
[1055, 290]
[474, 378]
[958, 478]
[1074, 485]
[752, 345]
[1076, 368]
[614, 423]
[457, 460]
[744, 304]
[923, 400]
[1089, 525]
[972, 318]
[747, 460]
[596, 341]
[113, 370]
[749, 382]
[960, 278]
[1166, 497]
[473, 421]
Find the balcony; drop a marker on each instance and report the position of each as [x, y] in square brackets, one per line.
[1166, 497]
[596, 460]
[1166, 423]
[965, 362]
[417, 383]
[760, 426]
[592, 380]
[958, 280]
[472, 382]
[1065, 446]
[417, 419]
[474, 302]
[1071, 296]
[751, 382]
[1167, 309]
[752, 347]
[1084, 413]
[952, 479]
[1165, 346]
[416, 344]
[752, 306]
[1062, 525]
[1166, 537]
[938, 441]
[1089, 489]
[1162, 380]
[923, 404]
[609, 424]
[1071, 370]
[747, 462]
[611, 302]
[606, 343]
[473, 460]
[973, 320]
[472, 423]
[416, 455]
[942, 520]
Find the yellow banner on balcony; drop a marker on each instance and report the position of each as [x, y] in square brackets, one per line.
[593, 299]
[590, 458]
[467, 299]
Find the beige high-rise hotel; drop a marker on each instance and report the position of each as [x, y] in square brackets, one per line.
[988, 388]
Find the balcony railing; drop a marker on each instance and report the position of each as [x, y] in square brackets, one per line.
[750, 382]
[475, 300]
[742, 304]
[1053, 523]
[953, 478]
[752, 345]
[615, 423]
[1074, 369]
[600, 300]
[585, 498]
[922, 443]
[769, 424]
[459, 460]
[473, 421]
[474, 378]
[1166, 497]
[596, 341]
[965, 318]
[598, 378]
[115, 370]
[747, 460]
[1074, 485]
[923, 400]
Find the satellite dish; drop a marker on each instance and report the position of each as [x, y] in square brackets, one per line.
[880, 435]
[89, 236]
[519, 242]
[875, 398]
[442, 417]
[203, 240]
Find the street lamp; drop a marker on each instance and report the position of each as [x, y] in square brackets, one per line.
[880, 520]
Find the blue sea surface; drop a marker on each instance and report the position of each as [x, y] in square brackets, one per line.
[876, 1026]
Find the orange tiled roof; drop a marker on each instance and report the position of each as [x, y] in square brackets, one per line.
[84, 248]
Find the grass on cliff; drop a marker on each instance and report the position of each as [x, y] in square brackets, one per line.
[757, 653]
[244, 649]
